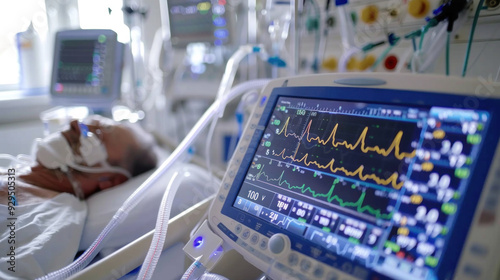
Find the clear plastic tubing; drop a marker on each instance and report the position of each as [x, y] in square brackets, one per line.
[232, 67]
[180, 176]
[435, 42]
[347, 35]
[346, 27]
[196, 271]
[14, 159]
[161, 227]
[136, 197]
[212, 276]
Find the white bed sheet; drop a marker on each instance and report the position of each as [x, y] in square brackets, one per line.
[142, 218]
[46, 236]
[49, 234]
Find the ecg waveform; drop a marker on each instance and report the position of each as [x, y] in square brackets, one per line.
[361, 141]
[330, 196]
[391, 180]
[363, 157]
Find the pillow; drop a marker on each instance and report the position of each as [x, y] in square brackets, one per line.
[103, 205]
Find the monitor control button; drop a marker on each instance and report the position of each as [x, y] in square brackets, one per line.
[263, 244]
[472, 271]
[238, 228]
[293, 259]
[318, 272]
[305, 265]
[254, 239]
[479, 250]
[246, 234]
[332, 275]
[279, 244]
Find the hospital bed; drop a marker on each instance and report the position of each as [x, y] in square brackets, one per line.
[467, 249]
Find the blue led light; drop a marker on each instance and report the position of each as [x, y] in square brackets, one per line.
[263, 101]
[221, 33]
[219, 21]
[198, 242]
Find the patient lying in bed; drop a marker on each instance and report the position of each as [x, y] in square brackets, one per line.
[42, 218]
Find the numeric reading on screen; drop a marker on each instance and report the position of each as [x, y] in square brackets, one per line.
[374, 183]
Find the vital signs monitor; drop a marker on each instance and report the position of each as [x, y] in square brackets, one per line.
[87, 68]
[367, 177]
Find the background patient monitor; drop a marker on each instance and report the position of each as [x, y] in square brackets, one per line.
[343, 177]
[87, 68]
[193, 21]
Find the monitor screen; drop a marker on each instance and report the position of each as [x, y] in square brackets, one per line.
[193, 21]
[81, 62]
[385, 188]
[86, 68]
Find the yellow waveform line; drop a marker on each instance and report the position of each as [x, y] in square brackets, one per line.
[392, 180]
[361, 140]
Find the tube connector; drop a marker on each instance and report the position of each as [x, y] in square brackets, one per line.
[205, 247]
[276, 61]
[370, 46]
[392, 39]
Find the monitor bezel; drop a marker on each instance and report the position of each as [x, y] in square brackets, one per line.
[98, 102]
[385, 96]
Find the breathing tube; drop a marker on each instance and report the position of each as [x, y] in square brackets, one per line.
[153, 255]
[54, 152]
[19, 162]
[224, 96]
[160, 233]
[196, 271]
[180, 175]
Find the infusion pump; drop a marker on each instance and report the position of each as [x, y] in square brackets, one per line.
[357, 176]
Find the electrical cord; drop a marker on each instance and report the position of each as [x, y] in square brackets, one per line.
[471, 36]
[448, 35]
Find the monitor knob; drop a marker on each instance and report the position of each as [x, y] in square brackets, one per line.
[279, 244]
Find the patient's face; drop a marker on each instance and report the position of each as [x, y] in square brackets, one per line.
[119, 142]
[123, 145]
[117, 139]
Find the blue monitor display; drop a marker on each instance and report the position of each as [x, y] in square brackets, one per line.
[387, 189]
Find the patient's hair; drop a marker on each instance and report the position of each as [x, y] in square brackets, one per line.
[143, 158]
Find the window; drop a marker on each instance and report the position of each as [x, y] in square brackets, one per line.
[14, 18]
[47, 17]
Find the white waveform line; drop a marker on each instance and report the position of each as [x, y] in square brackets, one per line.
[330, 244]
[286, 221]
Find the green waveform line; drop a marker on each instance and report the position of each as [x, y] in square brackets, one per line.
[358, 205]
